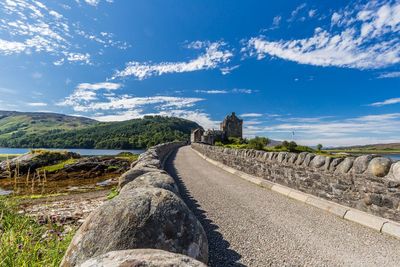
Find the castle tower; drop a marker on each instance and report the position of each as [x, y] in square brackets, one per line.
[232, 126]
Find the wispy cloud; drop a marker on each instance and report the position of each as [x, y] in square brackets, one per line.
[37, 104]
[213, 92]
[226, 91]
[331, 131]
[32, 27]
[250, 115]
[215, 56]
[86, 92]
[390, 101]
[394, 74]
[361, 36]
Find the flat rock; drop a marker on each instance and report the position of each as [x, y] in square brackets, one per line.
[146, 218]
[142, 258]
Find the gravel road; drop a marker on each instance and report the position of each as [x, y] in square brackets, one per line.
[250, 226]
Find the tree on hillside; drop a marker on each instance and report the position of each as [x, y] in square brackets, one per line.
[319, 147]
[291, 146]
[258, 142]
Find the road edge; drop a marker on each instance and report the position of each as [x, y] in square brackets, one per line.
[379, 224]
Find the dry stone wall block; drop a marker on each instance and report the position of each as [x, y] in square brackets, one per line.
[142, 258]
[318, 161]
[132, 174]
[152, 179]
[361, 163]
[145, 218]
[345, 166]
[379, 166]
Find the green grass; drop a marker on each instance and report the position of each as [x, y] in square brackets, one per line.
[24, 242]
[130, 158]
[113, 193]
[58, 166]
[8, 156]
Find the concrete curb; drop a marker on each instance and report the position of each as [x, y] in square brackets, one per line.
[379, 224]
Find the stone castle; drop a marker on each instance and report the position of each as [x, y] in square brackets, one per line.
[232, 126]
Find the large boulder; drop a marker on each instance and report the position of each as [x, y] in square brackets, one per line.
[142, 258]
[379, 166]
[396, 171]
[135, 172]
[345, 165]
[318, 161]
[301, 157]
[335, 163]
[144, 218]
[152, 179]
[33, 160]
[361, 163]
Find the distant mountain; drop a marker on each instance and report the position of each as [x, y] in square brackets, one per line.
[390, 146]
[50, 130]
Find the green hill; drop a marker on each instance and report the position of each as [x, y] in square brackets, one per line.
[48, 130]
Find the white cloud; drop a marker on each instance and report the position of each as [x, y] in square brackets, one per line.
[32, 27]
[9, 47]
[276, 22]
[250, 115]
[215, 56]
[37, 104]
[78, 57]
[381, 128]
[232, 91]
[394, 74]
[37, 75]
[367, 39]
[86, 92]
[212, 91]
[312, 13]
[390, 101]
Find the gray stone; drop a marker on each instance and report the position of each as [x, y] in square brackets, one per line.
[327, 164]
[301, 157]
[335, 163]
[142, 258]
[281, 156]
[146, 218]
[152, 179]
[379, 166]
[396, 171]
[345, 165]
[132, 174]
[360, 164]
[318, 161]
[292, 158]
[308, 159]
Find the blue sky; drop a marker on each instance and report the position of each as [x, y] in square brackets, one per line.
[329, 71]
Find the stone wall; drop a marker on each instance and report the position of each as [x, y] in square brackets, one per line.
[369, 183]
[147, 214]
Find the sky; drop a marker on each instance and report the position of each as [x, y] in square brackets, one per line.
[310, 71]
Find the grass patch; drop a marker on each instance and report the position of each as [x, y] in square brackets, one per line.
[39, 196]
[113, 193]
[127, 156]
[8, 156]
[58, 166]
[24, 242]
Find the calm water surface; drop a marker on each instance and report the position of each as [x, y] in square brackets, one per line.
[83, 152]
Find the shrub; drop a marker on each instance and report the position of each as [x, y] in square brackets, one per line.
[258, 143]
